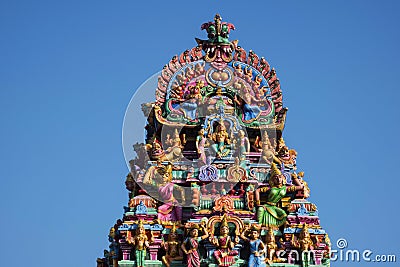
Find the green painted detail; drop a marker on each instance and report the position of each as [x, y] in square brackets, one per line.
[238, 263]
[148, 263]
[125, 263]
[178, 264]
[239, 204]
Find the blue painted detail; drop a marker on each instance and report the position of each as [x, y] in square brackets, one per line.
[208, 173]
[302, 210]
[289, 230]
[156, 227]
[124, 227]
[134, 226]
[319, 231]
[141, 208]
[288, 177]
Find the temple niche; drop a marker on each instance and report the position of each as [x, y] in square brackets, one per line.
[214, 183]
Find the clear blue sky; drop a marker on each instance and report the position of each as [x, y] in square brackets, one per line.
[69, 68]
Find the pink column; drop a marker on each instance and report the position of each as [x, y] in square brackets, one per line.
[126, 250]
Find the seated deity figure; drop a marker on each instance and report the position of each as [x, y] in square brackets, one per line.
[267, 150]
[174, 152]
[224, 254]
[189, 107]
[222, 141]
[172, 248]
[269, 214]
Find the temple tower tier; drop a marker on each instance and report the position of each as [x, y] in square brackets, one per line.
[214, 183]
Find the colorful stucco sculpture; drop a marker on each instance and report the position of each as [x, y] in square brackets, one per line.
[214, 183]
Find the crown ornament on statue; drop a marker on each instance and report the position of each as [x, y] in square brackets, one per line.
[224, 221]
[173, 230]
[140, 226]
[274, 170]
[254, 227]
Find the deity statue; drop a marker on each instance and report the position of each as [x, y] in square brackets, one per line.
[327, 250]
[272, 247]
[191, 245]
[193, 97]
[200, 144]
[269, 214]
[304, 244]
[224, 254]
[238, 70]
[250, 105]
[172, 248]
[264, 146]
[199, 68]
[222, 141]
[170, 210]
[140, 242]
[174, 152]
[114, 247]
[244, 146]
[257, 247]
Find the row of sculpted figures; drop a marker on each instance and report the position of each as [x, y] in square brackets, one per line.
[168, 174]
[222, 240]
[225, 249]
[220, 138]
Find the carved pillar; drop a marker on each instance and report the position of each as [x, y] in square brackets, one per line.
[318, 257]
[126, 250]
[153, 249]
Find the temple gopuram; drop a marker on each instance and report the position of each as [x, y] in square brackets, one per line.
[214, 183]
